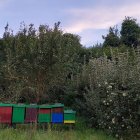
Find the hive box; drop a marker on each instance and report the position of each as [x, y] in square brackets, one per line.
[18, 115]
[57, 113]
[6, 113]
[31, 113]
[44, 113]
[69, 116]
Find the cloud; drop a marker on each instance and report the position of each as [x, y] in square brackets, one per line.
[93, 22]
[101, 17]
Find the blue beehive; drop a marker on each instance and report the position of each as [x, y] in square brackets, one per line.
[57, 113]
[57, 118]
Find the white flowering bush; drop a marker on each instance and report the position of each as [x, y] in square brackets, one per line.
[113, 99]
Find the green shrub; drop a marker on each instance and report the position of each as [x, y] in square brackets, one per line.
[113, 96]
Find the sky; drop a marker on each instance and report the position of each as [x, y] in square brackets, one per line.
[90, 19]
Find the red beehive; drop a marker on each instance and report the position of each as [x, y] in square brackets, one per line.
[31, 114]
[6, 113]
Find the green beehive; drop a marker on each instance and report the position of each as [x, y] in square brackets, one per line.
[69, 116]
[18, 113]
[44, 113]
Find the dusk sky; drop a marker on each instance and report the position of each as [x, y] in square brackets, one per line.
[90, 19]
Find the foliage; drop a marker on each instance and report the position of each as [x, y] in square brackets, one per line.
[45, 65]
[130, 32]
[111, 39]
[112, 96]
[39, 59]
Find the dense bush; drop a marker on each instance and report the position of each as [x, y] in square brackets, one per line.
[113, 96]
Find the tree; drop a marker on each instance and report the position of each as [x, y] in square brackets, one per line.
[112, 39]
[39, 59]
[130, 32]
[31, 58]
[2, 61]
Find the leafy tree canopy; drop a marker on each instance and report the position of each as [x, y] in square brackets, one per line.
[130, 32]
[112, 39]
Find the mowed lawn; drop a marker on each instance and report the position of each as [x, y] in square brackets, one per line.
[17, 134]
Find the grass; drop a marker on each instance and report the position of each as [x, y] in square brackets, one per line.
[56, 132]
[31, 134]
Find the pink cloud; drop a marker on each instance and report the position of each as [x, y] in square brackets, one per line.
[100, 17]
